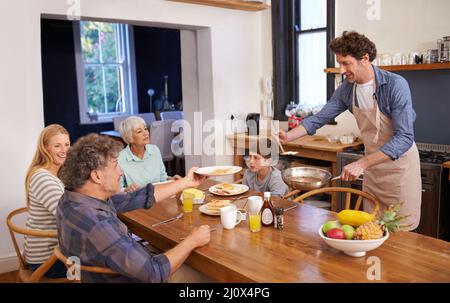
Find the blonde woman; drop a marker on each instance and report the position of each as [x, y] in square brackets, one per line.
[140, 161]
[43, 191]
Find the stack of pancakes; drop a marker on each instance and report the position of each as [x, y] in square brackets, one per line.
[215, 205]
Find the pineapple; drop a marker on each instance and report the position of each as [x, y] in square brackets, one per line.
[375, 229]
[368, 231]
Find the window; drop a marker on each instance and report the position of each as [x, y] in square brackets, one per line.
[302, 31]
[103, 70]
[311, 38]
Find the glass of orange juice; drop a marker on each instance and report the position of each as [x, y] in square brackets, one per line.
[188, 202]
[254, 221]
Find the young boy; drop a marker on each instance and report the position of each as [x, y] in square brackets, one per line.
[261, 176]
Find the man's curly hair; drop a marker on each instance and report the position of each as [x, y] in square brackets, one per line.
[87, 154]
[354, 44]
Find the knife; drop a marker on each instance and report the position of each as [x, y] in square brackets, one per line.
[168, 220]
[289, 208]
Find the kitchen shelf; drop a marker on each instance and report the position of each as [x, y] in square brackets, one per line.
[413, 67]
[232, 4]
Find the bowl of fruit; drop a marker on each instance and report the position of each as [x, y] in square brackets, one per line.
[357, 232]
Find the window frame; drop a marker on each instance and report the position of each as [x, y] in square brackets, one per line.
[129, 89]
[286, 29]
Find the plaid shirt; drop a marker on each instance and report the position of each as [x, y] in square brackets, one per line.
[89, 229]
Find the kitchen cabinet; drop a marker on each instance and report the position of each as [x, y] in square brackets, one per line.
[231, 4]
[428, 212]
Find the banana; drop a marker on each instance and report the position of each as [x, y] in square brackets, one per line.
[354, 217]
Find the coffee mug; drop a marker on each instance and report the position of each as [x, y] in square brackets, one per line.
[229, 216]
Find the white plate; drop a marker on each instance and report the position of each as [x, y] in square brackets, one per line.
[204, 209]
[214, 171]
[237, 190]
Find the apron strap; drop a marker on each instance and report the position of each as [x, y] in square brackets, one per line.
[378, 125]
[377, 109]
[377, 113]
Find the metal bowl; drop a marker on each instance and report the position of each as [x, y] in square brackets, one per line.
[306, 178]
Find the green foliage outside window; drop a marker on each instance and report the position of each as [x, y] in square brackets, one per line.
[102, 60]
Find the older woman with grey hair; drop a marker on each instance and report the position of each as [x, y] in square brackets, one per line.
[140, 161]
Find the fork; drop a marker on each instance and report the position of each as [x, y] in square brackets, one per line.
[168, 220]
[238, 198]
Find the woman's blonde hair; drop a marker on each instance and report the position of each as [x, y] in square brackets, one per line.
[42, 158]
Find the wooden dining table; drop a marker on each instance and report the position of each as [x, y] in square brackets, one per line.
[294, 254]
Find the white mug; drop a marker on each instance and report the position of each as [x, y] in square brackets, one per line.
[229, 216]
[254, 203]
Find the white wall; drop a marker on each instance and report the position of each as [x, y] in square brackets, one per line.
[238, 63]
[404, 26]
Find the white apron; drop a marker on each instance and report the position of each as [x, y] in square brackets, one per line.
[392, 182]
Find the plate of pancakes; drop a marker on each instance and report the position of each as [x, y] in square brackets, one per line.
[227, 189]
[213, 208]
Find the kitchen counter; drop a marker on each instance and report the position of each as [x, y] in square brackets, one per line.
[320, 143]
[315, 142]
[309, 147]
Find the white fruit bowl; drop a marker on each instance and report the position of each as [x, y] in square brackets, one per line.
[354, 248]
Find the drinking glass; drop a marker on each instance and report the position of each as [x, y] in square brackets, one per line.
[188, 202]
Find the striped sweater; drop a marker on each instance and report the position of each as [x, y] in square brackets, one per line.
[45, 190]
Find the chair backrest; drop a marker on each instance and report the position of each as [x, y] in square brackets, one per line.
[117, 120]
[38, 274]
[148, 118]
[161, 135]
[361, 195]
[172, 115]
[94, 269]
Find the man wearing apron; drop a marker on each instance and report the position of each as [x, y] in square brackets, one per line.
[381, 103]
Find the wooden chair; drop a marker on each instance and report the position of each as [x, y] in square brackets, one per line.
[348, 198]
[291, 193]
[94, 269]
[25, 274]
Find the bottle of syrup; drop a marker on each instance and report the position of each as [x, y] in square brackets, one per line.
[267, 216]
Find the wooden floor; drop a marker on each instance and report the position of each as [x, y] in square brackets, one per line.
[9, 277]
